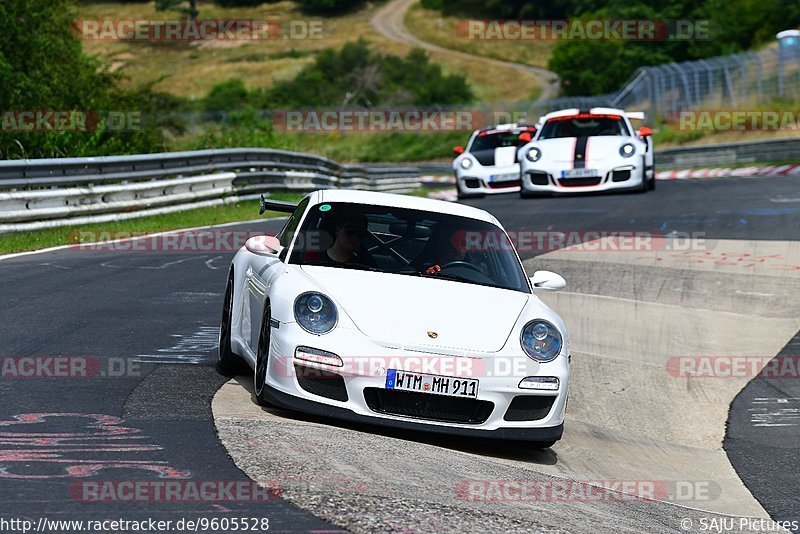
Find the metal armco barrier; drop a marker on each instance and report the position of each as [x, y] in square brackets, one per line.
[768, 151]
[55, 191]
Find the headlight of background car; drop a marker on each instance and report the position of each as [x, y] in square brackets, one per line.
[466, 164]
[541, 340]
[534, 154]
[627, 150]
[315, 313]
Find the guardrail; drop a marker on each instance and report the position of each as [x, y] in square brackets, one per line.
[767, 151]
[54, 192]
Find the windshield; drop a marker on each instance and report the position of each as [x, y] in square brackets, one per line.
[408, 242]
[583, 126]
[496, 140]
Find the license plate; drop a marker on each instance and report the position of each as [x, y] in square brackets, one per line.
[437, 385]
[504, 177]
[579, 173]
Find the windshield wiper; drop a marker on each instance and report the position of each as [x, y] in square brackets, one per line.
[454, 278]
[356, 266]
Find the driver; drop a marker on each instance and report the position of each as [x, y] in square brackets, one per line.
[346, 249]
[442, 248]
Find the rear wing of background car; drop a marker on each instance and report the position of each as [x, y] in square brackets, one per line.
[276, 205]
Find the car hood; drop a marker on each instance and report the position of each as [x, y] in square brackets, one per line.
[597, 149]
[400, 310]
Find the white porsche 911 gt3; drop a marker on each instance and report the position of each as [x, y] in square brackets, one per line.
[401, 311]
[489, 164]
[576, 151]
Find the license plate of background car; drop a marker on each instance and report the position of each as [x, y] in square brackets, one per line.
[437, 385]
[579, 173]
[503, 177]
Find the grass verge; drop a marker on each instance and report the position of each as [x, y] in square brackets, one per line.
[69, 235]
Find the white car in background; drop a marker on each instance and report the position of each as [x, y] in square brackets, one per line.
[489, 163]
[578, 151]
[397, 311]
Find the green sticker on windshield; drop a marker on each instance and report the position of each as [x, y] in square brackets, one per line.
[325, 207]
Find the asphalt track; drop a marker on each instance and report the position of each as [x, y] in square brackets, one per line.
[160, 309]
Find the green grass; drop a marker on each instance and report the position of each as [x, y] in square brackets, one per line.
[201, 217]
[67, 235]
[341, 147]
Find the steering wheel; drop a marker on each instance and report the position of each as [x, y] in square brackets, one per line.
[461, 264]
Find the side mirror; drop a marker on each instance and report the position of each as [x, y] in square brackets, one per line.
[525, 137]
[644, 131]
[458, 150]
[263, 245]
[548, 281]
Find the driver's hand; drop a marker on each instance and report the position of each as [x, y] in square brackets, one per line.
[433, 269]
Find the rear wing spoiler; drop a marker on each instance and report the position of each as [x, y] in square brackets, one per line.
[276, 205]
[636, 115]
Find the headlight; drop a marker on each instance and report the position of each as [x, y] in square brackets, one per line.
[627, 150]
[315, 313]
[541, 340]
[534, 154]
[466, 164]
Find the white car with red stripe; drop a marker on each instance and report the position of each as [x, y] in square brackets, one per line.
[489, 163]
[578, 151]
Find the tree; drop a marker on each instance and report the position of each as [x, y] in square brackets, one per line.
[43, 69]
[189, 10]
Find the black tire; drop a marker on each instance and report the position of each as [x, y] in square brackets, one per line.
[644, 187]
[651, 185]
[262, 358]
[543, 444]
[526, 194]
[228, 362]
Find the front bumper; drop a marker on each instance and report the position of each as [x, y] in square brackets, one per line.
[498, 374]
[619, 177]
[291, 402]
[480, 180]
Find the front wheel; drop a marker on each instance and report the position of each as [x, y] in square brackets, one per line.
[543, 444]
[262, 358]
[644, 187]
[228, 362]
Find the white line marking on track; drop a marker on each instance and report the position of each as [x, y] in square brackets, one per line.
[210, 263]
[196, 348]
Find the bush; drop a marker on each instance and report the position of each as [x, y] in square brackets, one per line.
[226, 96]
[356, 76]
